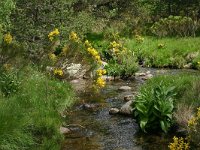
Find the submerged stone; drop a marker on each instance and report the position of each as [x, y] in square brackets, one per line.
[125, 88]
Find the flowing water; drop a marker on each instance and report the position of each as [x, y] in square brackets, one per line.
[96, 129]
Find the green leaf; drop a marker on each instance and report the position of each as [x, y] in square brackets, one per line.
[143, 123]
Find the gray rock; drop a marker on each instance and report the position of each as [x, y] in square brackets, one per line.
[126, 109]
[107, 78]
[90, 107]
[64, 130]
[188, 66]
[73, 71]
[148, 76]
[113, 111]
[128, 97]
[139, 74]
[125, 88]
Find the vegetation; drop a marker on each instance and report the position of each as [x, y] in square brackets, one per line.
[154, 108]
[110, 38]
[30, 117]
[166, 52]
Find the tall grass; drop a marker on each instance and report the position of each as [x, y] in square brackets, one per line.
[174, 52]
[30, 119]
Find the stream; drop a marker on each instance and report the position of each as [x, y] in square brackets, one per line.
[96, 129]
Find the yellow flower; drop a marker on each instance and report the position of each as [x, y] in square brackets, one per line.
[101, 72]
[53, 34]
[73, 36]
[58, 72]
[100, 82]
[87, 44]
[8, 38]
[114, 44]
[52, 57]
[192, 122]
[179, 144]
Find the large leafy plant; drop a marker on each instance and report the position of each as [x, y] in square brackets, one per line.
[154, 108]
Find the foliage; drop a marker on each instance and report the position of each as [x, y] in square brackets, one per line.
[9, 83]
[179, 144]
[184, 101]
[194, 128]
[121, 61]
[6, 8]
[30, 119]
[175, 26]
[154, 108]
[176, 52]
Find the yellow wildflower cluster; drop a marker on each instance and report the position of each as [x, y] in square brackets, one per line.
[179, 144]
[53, 34]
[115, 47]
[194, 120]
[52, 57]
[8, 38]
[73, 37]
[92, 51]
[139, 38]
[100, 82]
[101, 72]
[161, 45]
[87, 44]
[58, 72]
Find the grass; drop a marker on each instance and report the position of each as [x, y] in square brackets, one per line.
[30, 118]
[172, 52]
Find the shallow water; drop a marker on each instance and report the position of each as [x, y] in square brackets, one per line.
[98, 130]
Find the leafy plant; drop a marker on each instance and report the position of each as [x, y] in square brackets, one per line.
[153, 109]
[9, 83]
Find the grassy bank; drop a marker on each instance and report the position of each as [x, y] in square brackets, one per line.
[167, 100]
[30, 118]
[167, 52]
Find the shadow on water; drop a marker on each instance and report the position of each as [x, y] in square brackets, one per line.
[101, 131]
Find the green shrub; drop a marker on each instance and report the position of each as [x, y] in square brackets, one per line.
[6, 8]
[9, 83]
[175, 26]
[154, 108]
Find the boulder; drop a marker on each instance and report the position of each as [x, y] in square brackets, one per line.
[188, 66]
[128, 97]
[126, 109]
[139, 74]
[125, 88]
[64, 130]
[113, 111]
[148, 76]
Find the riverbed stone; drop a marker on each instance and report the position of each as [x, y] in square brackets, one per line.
[188, 66]
[126, 109]
[113, 111]
[148, 76]
[125, 88]
[64, 130]
[128, 97]
[139, 74]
